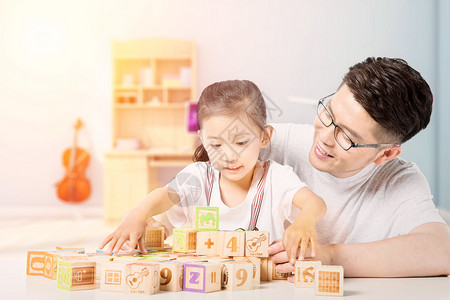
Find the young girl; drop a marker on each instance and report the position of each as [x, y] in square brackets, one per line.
[250, 194]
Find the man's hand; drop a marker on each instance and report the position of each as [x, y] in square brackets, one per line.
[280, 257]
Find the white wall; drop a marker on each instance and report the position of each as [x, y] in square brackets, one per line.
[55, 65]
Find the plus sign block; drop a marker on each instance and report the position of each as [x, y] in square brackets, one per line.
[257, 243]
[184, 240]
[207, 243]
[202, 277]
[154, 238]
[206, 218]
[305, 272]
[329, 281]
[76, 275]
[142, 278]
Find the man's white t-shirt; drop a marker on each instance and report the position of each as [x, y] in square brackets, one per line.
[280, 187]
[377, 203]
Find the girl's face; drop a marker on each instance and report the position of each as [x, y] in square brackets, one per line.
[233, 144]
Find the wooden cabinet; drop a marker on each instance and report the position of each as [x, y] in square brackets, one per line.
[154, 81]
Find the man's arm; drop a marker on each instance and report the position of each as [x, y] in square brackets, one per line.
[425, 251]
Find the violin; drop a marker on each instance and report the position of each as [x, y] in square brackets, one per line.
[74, 187]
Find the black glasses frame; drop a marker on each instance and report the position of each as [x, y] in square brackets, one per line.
[321, 106]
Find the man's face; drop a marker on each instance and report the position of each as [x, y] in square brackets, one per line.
[326, 155]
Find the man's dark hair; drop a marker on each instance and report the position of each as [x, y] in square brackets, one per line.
[395, 95]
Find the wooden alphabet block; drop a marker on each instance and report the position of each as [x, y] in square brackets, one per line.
[202, 277]
[305, 272]
[99, 260]
[51, 265]
[113, 277]
[256, 264]
[76, 275]
[231, 243]
[264, 269]
[272, 273]
[142, 278]
[329, 281]
[154, 238]
[206, 218]
[171, 276]
[237, 275]
[207, 242]
[257, 243]
[184, 240]
[36, 263]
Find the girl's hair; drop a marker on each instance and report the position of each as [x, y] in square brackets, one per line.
[230, 98]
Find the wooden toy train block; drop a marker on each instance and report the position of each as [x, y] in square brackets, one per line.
[202, 277]
[184, 240]
[329, 281]
[206, 218]
[231, 243]
[207, 242]
[154, 238]
[305, 272]
[237, 275]
[256, 264]
[113, 277]
[257, 243]
[76, 275]
[171, 276]
[142, 278]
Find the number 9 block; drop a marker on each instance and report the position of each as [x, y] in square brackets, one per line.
[237, 275]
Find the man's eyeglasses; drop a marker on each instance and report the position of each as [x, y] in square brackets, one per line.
[340, 135]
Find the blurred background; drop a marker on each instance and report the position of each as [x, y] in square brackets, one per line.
[56, 66]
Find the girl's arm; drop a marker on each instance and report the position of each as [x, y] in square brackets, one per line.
[303, 230]
[132, 227]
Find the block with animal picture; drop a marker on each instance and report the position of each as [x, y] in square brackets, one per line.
[237, 275]
[202, 277]
[231, 243]
[113, 276]
[184, 240]
[329, 281]
[171, 276]
[207, 243]
[272, 273]
[76, 275]
[142, 278]
[256, 264]
[305, 272]
[257, 243]
[154, 238]
[206, 218]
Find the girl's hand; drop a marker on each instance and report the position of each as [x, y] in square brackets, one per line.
[298, 236]
[132, 229]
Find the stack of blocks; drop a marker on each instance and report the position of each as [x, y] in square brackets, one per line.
[203, 260]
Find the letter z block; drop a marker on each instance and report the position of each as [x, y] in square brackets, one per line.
[202, 277]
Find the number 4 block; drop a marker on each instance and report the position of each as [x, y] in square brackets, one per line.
[231, 243]
[202, 277]
[206, 218]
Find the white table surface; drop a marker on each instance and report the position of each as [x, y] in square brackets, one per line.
[15, 284]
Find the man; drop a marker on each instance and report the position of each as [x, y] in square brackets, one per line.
[381, 221]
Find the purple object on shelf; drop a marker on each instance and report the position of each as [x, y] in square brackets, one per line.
[192, 118]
